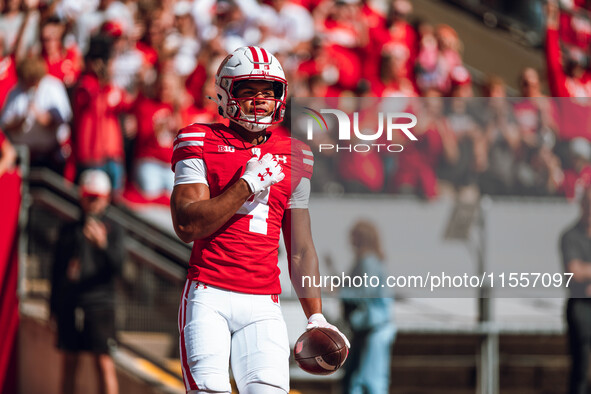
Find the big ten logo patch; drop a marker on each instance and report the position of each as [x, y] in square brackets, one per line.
[225, 148]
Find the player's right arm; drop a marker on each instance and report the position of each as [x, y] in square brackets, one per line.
[195, 215]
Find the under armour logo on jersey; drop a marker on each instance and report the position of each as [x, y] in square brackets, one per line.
[282, 159]
[256, 152]
[262, 176]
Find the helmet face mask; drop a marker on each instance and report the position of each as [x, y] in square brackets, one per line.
[251, 64]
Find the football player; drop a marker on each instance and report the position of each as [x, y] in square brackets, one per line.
[236, 188]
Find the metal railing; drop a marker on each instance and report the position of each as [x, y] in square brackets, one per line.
[153, 273]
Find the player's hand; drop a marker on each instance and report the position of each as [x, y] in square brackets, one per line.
[260, 174]
[318, 320]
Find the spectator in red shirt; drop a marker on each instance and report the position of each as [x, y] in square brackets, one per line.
[322, 67]
[373, 18]
[432, 68]
[345, 34]
[450, 46]
[158, 121]
[152, 40]
[361, 172]
[573, 83]
[98, 140]
[419, 160]
[575, 26]
[536, 114]
[393, 81]
[63, 63]
[397, 36]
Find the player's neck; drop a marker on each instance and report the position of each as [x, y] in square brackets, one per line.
[254, 138]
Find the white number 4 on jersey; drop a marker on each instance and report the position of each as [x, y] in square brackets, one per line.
[258, 208]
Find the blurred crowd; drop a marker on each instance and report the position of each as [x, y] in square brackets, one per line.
[106, 84]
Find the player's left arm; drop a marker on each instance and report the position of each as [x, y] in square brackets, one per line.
[302, 259]
[303, 266]
[297, 234]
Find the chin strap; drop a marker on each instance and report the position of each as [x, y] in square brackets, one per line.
[253, 127]
[248, 122]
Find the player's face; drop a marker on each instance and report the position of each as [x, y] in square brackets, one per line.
[256, 98]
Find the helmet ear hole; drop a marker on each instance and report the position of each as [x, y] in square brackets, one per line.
[233, 110]
[280, 113]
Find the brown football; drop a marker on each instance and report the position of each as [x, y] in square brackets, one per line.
[320, 351]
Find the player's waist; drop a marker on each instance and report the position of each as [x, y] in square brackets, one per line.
[199, 284]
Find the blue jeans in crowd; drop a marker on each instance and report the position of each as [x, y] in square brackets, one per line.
[154, 177]
[368, 367]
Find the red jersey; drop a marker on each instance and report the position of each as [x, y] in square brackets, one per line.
[242, 255]
[575, 29]
[155, 136]
[418, 161]
[571, 113]
[8, 78]
[67, 68]
[560, 84]
[97, 135]
[400, 39]
[149, 54]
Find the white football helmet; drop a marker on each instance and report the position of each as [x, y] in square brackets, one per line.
[250, 63]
